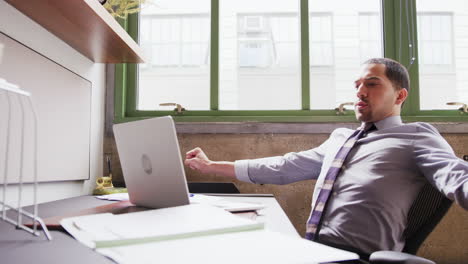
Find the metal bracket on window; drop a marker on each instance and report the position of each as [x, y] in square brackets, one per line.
[463, 109]
[340, 110]
[179, 109]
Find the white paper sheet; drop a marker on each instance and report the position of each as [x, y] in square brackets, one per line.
[261, 246]
[114, 197]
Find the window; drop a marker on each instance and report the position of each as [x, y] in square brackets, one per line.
[256, 47]
[269, 42]
[246, 60]
[443, 47]
[175, 40]
[370, 36]
[436, 60]
[321, 40]
[341, 36]
[321, 49]
[268, 64]
[259, 51]
[435, 40]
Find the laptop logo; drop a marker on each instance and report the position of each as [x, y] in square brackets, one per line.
[146, 164]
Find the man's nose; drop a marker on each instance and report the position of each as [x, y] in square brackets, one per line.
[361, 91]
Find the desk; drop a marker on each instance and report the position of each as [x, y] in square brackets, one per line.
[272, 215]
[19, 247]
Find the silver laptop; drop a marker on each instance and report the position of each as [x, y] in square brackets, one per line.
[151, 162]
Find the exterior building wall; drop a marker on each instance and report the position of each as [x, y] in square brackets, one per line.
[241, 88]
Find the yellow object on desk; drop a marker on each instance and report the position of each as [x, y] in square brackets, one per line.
[104, 182]
[104, 186]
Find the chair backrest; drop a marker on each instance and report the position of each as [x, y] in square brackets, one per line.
[426, 212]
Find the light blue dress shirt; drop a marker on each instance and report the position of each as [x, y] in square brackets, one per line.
[379, 181]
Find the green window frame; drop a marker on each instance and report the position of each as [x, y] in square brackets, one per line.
[396, 44]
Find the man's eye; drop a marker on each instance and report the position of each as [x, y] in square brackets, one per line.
[371, 84]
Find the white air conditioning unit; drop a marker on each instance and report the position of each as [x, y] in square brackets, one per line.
[253, 23]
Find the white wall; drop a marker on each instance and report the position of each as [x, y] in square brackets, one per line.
[23, 29]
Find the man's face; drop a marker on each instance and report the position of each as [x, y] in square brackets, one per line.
[377, 98]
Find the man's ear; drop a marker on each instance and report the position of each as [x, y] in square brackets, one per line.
[402, 94]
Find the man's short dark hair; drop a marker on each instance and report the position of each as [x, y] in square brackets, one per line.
[394, 71]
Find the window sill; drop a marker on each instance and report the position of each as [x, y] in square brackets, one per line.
[291, 128]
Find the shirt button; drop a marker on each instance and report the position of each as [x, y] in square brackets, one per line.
[334, 193]
[325, 223]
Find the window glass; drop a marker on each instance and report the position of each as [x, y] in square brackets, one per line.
[435, 40]
[342, 34]
[320, 39]
[259, 55]
[175, 38]
[370, 36]
[442, 50]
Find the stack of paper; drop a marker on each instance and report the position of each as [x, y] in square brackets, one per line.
[193, 234]
[261, 246]
[108, 230]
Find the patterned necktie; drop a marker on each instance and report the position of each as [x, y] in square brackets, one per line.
[313, 223]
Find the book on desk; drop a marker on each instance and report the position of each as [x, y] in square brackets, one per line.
[193, 233]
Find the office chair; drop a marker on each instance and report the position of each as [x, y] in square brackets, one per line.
[212, 187]
[426, 212]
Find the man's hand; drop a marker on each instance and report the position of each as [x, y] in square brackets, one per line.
[197, 160]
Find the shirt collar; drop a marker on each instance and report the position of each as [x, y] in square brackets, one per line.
[389, 122]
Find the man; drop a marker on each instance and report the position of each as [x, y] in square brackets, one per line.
[379, 175]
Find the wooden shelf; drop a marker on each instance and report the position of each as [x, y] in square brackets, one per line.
[86, 26]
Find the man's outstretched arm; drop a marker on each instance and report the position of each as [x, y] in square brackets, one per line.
[197, 160]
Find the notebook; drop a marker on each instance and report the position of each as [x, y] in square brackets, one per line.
[111, 230]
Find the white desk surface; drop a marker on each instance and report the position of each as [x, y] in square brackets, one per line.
[272, 215]
[20, 247]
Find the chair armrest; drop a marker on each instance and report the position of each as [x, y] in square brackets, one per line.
[395, 257]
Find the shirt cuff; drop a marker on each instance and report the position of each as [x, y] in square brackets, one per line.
[241, 169]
